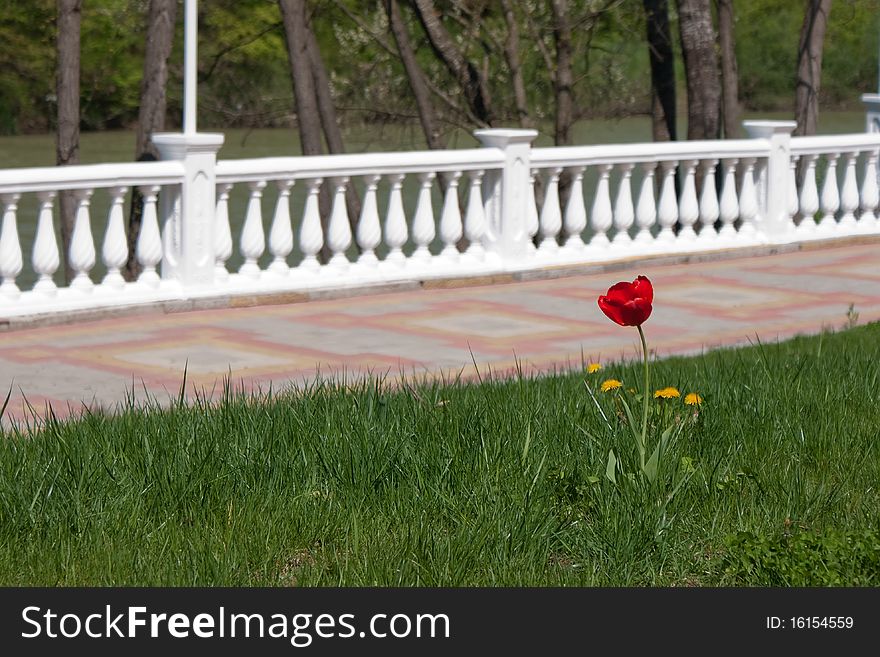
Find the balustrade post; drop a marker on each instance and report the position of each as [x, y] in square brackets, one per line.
[189, 218]
[872, 112]
[773, 206]
[506, 193]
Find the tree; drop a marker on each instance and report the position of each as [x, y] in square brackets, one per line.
[151, 116]
[662, 70]
[701, 68]
[67, 48]
[809, 66]
[729, 76]
[562, 80]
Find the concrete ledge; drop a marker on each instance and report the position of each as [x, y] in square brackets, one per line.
[249, 300]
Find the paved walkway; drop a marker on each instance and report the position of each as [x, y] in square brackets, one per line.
[542, 324]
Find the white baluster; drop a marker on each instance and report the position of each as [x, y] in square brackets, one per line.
[475, 216]
[450, 218]
[533, 222]
[709, 209]
[253, 239]
[601, 215]
[870, 194]
[395, 222]
[10, 247]
[339, 228]
[45, 257]
[748, 202]
[646, 208]
[281, 232]
[793, 202]
[729, 209]
[311, 236]
[830, 197]
[575, 220]
[222, 233]
[809, 198]
[82, 245]
[667, 212]
[551, 215]
[149, 244]
[423, 231]
[624, 214]
[688, 207]
[114, 251]
[849, 195]
[369, 232]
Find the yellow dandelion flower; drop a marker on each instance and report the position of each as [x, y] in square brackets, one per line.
[592, 368]
[693, 399]
[667, 393]
[610, 384]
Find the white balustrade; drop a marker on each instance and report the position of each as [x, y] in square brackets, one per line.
[830, 197]
[281, 232]
[709, 208]
[551, 215]
[82, 245]
[395, 222]
[646, 208]
[849, 194]
[311, 235]
[10, 248]
[450, 219]
[253, 238]
[45, 258]
[870, 195]
[369, 232]
[423, 231]
[575, 220]
[475, 216]
[114, 251]
[149, 244]
[809, 198]
[667, 211]
[688, 207]
[748, 201]
[222, 233]
[679, 200]
[624, 214]
[601, 214]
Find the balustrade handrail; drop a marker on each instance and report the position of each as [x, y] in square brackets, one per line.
[358, 164]
[818, 145]
[562, 156]
[89, 176]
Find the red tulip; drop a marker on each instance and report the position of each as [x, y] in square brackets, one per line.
[628, 304]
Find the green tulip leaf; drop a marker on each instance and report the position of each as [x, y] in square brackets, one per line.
[611, 467]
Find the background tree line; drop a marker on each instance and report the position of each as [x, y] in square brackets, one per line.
[508, 51]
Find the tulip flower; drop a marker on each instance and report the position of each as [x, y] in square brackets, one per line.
[629, 304]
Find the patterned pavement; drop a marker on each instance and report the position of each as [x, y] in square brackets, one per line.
[538, 325]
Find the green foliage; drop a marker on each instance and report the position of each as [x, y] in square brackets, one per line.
[801, 558]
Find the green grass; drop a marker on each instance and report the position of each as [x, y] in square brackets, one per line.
[498, 483]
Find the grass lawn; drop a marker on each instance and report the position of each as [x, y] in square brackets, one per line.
[498, 483]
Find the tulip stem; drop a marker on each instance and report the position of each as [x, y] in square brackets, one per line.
[646, 394]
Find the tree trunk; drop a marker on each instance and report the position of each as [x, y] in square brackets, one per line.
[662, 70]
[293, 13]
[562, 82]
[809, 67]
[473, 85]
[415, 76]
[729, 75]
[701, 69]
[511, 54]
[330, 121]
[67, 91]
[151, 116]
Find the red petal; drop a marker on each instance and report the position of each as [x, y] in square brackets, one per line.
[612, 310]
[642, 288]
[621, 292]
